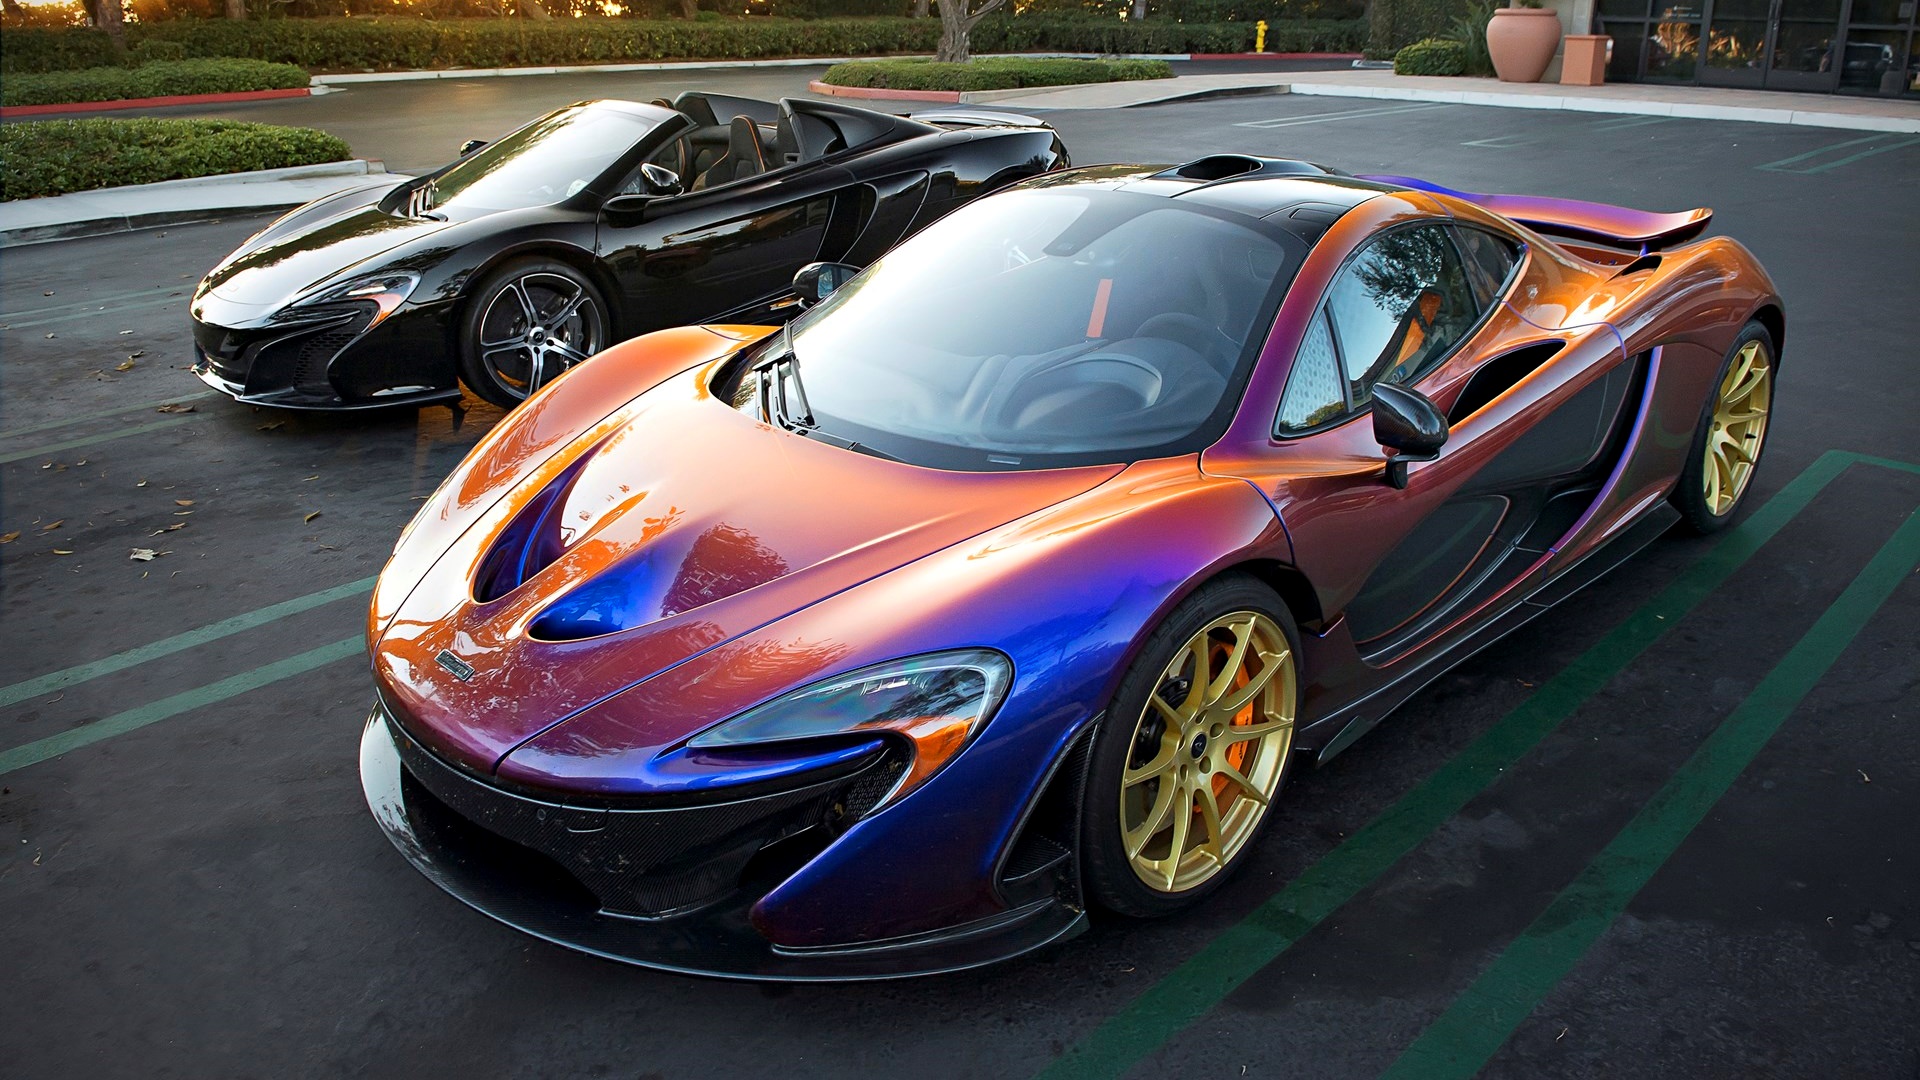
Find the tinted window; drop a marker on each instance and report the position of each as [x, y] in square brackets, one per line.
[1395, 310]
[1040, 328]
[1489, 258]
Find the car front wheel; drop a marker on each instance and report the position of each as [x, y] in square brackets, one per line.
[1193, 751]
[529, 321]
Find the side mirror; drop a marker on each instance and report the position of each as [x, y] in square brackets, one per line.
[816, 281]
[1405, 421]
[471, 145]
[659, 180]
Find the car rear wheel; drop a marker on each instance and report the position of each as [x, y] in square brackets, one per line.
[529, 321]
[1193, 750]
[1731, 434]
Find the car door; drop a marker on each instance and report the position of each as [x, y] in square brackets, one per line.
[704, 254]
[1415, 305]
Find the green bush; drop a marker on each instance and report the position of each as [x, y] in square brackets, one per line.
[389, 44]
[164, 78]
[1434, 56]
[1398, 23]
[990, 74]
[149, 51]
[1470, 30]
[53, 157]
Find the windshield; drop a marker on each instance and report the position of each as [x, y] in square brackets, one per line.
[1039, 329]
[551, 159]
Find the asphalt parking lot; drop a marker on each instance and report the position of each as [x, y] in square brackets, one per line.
[1666, 831]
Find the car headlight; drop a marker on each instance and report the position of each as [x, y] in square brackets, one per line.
[387, 292]
[936, 702]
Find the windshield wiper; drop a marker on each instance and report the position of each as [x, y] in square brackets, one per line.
[776, 376]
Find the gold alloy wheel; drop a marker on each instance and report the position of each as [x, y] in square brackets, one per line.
[1739, 425]
[1208, 751]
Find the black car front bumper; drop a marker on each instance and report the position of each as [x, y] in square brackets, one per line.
[668, 887]
[335, 359]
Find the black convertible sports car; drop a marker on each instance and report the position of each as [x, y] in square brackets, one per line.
[594, 223]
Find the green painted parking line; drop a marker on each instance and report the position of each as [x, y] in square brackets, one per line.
[1793, 164]
[50, 424]
[1192, 989]
[74, 444]
[121, 661]
[1482, 1018]
[136, 718]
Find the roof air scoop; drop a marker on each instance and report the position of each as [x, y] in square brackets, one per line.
[1232, 166]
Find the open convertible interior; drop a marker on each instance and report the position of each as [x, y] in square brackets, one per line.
[735, 138]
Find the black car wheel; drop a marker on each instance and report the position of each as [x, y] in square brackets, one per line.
[1193, 750]
[1731, 433]
[529, 321]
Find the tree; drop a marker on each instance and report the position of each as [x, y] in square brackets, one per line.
[531, 9]
[1139, 11]
[108, 16]
[689, 8]
[236, 9]
[956, 24]
[919, 8]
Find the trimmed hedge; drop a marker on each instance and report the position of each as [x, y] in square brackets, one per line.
[1399, 23]
[53, 157]
[388, 44]
[990, 74]
[160, 79]
[1434, 56]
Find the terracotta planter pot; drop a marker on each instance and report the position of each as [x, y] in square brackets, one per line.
[1521, 42]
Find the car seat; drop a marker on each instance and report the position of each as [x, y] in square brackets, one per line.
[746, 155]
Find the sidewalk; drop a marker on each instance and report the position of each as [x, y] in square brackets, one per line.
[141, 206]
[1700, 102]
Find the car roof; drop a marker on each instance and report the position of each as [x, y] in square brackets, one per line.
[1299, 196]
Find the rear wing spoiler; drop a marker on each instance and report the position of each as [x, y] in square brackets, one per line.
[1598, 222]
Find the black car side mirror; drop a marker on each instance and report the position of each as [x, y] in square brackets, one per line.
[659, 180]
[471, 145]
[1404, 420]
[816, 281]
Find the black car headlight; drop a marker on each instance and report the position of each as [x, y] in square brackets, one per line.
[385, 291]
[936, 702]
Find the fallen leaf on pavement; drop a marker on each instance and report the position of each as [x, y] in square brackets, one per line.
[142, 483]
[146, 554]
[182, 513]
[315, 476]
[168, 529]
[176, 408]
[49, 337]
[52, 525]
[311, 516]
[10, 537]
[183, 502]
[124, 333]
[275, 424]
[57, 551]
[124, 365]
[136, 354]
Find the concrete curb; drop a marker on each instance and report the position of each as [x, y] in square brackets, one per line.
[1623, 106]
[104, 211]
[15, 112]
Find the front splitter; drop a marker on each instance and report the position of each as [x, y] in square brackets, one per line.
[716, 941]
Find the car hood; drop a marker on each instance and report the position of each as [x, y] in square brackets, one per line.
[282, 263]
[678, 525]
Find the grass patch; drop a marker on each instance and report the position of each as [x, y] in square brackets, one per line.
[990, 74]
[54, 157]
[164, 78]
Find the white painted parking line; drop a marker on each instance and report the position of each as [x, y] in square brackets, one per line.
[1323, 118]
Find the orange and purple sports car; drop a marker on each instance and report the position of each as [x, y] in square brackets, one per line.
[1009, 580]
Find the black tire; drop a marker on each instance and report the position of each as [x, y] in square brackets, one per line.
[1702, 496]
[1127, 744]
[527, 321]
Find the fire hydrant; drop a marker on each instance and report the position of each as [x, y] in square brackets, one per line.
[1260, 36]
